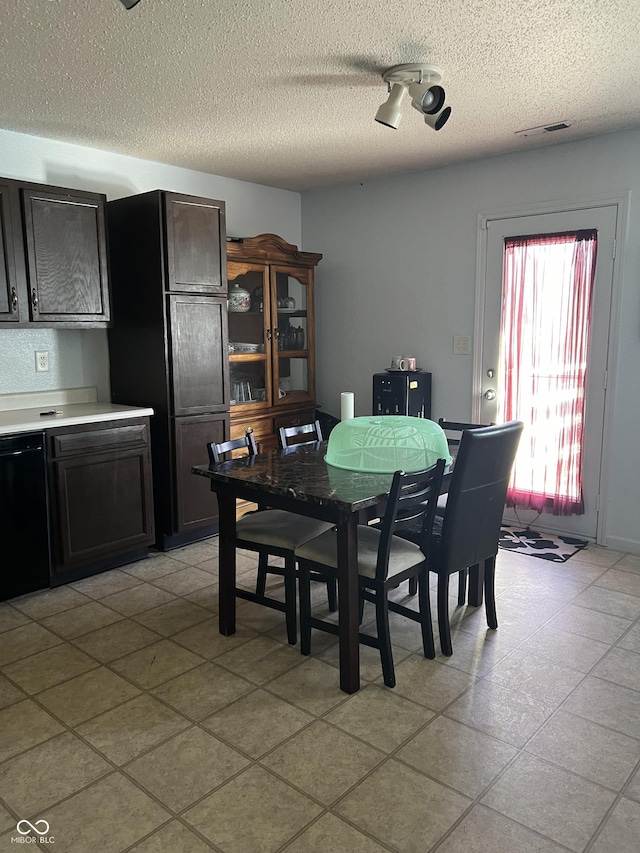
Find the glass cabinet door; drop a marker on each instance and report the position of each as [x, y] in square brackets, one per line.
[291, 309]
[249, 364]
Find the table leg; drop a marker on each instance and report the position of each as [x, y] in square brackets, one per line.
[349, 627]
[227, 562]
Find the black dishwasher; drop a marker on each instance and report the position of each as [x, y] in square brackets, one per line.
[25, 562]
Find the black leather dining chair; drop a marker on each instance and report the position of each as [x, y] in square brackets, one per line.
[466, 536]
[453, 431]
[270, 533]
[384, 562]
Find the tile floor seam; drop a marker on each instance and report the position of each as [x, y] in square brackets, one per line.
[382, 844]
[62, 681]
[602, 824]
[153, 832]
[528, 829]
[178, 812]
[577, 714]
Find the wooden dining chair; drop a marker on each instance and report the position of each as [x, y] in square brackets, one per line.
[299, 434]
[270, 533]
[384, 562]
[294, 436]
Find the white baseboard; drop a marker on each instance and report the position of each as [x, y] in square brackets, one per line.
[629, 546]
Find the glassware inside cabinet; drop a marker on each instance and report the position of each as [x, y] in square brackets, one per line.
[291, 299]
[246, 313]
[248, 382]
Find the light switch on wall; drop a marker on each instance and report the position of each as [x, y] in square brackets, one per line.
[461, 345]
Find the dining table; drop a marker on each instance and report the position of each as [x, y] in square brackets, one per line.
[298, 479]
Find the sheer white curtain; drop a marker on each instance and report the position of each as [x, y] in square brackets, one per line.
[546, 318]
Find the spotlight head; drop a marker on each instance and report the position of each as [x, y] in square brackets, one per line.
[129, 4]
[426, 98]
[437, 122]
[389, 113]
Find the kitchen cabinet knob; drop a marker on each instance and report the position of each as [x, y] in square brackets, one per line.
[34, 298]
[14, 299]
[490, 394]
[269, 333]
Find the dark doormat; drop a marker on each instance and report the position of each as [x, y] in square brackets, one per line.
[557, 549]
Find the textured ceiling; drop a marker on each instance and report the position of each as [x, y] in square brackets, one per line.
[283, 92]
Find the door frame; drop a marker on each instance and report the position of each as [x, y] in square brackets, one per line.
[621, 201]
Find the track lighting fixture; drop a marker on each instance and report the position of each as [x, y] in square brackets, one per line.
[389, 112]
[427, 96]
[129, 4]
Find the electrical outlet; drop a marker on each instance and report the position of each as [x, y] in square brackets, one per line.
[42, 362]
[461, 345]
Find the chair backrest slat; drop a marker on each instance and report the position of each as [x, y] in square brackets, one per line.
[302, 433]
[218, 451]
[411, 504]
[457, 428]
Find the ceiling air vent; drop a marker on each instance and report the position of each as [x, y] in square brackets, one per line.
[545, 128]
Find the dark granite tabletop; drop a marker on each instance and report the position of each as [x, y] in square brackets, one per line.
[300, 473]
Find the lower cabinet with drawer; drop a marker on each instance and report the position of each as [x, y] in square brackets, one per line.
[265, 429]
[101, 496]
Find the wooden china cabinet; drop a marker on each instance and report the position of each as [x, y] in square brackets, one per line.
[271, 336]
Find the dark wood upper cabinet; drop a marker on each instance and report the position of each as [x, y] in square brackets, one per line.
[66, 257]
[9, 302]
[53, 256]
[194, 245]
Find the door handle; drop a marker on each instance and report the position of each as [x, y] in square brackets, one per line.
[490, 394]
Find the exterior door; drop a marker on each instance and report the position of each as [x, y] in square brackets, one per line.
[604, 220]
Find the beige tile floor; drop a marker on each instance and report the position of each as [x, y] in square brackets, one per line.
[129, 724]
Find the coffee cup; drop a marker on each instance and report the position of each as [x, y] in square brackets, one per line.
[402, 362]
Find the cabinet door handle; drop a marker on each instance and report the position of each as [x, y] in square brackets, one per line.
[14, 299]
[269, 332]
[34, 299]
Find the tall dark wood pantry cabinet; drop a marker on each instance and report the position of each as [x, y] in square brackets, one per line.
[168, 344]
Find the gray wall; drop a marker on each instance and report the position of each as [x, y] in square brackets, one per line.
[399, 277]
[80, 358]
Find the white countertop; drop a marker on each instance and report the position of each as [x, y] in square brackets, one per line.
[30, 420]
